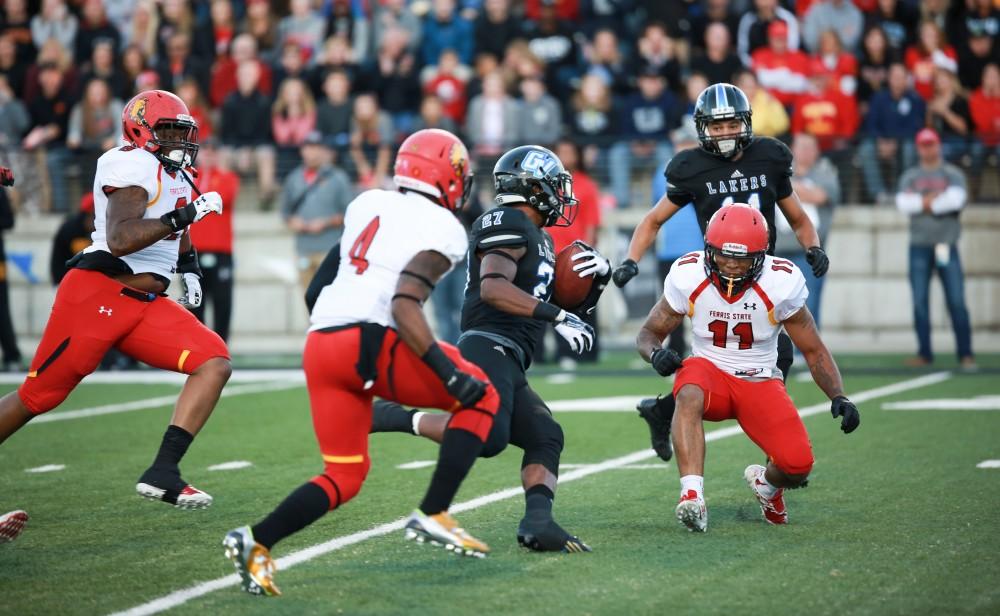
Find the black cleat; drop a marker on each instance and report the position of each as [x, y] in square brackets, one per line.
[547, 536]
[658, 418]
[388, 416]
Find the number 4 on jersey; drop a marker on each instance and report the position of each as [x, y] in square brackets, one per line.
[361, 245]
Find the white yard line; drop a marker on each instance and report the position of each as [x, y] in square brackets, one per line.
[979, 403]
[154, 377]
[180, 597]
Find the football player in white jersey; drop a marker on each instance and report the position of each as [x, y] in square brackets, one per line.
[739, 299]
[369, 337]
[114, 292]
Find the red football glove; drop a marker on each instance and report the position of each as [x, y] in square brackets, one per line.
[6, 177]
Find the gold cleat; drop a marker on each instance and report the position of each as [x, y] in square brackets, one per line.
[252, 561]
[441, 529]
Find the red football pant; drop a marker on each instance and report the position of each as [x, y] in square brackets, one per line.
[90, 315]
[763, 409]
[342, 408]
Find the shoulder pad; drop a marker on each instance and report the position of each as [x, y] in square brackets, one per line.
[682, 166]
[773, 149]
[501, 227]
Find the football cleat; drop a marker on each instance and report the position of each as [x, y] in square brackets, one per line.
[773, 508]
[11, 525]
[189, 497]
[692, 512]
[441, 529]
[252, 561]
[547, 536]
[656, 417]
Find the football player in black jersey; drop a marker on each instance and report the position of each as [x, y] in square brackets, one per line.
[506, 311]
[731, 166]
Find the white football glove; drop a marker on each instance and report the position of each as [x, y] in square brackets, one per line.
[191, 291]
[576, 332]
[207, 203]
[591, 263]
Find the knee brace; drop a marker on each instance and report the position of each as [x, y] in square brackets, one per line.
[342, 482]
[544, 446]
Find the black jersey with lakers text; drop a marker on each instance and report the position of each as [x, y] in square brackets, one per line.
[507, 227]
[760, 177]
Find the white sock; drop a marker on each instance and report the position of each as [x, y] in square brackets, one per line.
[693, 482]
[765, 488]
[416, 422]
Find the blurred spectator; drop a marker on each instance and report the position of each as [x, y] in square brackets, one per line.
[245, 129]
[518, 63]
[647, 118]
[753, 33]
[14, 118]
[243, 49]
[10, 67]
[977, 45]
[385, 15]
[292, 65]
[8, 340]
[841, 16]
[714, 12]
[145, 28]
[95, 28]
[495, 27]
[842, 66]
[176, 17]
[444, 29]
[337, 55]
[657, 49]
[52, 53]
[333, 113]
[179, 64]
[54, 22]
[540, 116]
[224, 26]
[948, 114]
[72, 236]
[120, 13]
[17, 25]
[615, 15]
[984, 106]
[606, 59]
[189, 92]
[930, 52]
[825, 112]
[293, 117]
[492, 122]
[816, 182]
[261, 25]
[718, 62]
[552, 40]
[876, 56]
[898, 20]
[446, 81]
[146, 81]
[214, 241]
[693, 87]
[314, 198]
[303, 26]
[134, 63]
[346, 19]
[933, 194]
[895, 114]
[372, 138]
[568, 10]
[486, 63]
[102, 65]
[49, 118]
[779, 68]
[94, 126]
[432, 116]
[769, 116]
[395, 80]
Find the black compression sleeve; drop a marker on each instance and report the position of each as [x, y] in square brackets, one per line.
[545, 311]
[437, 361]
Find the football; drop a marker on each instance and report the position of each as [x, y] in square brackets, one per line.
[570, 290]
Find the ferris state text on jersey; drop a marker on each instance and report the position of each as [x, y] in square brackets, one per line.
[760, 178]
[507, 227]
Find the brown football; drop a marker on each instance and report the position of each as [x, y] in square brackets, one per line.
[570, 290]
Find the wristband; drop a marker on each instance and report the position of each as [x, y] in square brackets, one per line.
[545, 311]
[187, 262]
[180, 218]
[437, 361]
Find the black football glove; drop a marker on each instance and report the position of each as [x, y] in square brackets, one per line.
[665, 361]
[465, 388]
[842, 407]
[818, 260]
[625, 272]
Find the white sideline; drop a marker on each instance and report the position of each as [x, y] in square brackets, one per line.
[180, 597]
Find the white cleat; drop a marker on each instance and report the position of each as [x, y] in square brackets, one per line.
[189, 497]
[11, 525]
[692, 512]
[443, 530]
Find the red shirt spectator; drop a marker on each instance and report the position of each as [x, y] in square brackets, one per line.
[565, 9]
[985, 107]
[588, 216]
[217, 234]
[449, 87]
[930, 52]
[780, 71]
[842, 66]
[825, 112]
[244, 47]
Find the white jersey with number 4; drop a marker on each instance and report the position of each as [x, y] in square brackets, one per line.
[128, 166]
[738, 335]
[383, 231]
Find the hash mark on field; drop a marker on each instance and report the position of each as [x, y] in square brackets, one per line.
[230, 466]
[184, 595]
[48, 468]
[989, 464]
[409, 466]
[979, 403]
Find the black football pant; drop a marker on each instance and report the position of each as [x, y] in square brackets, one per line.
[217, 289]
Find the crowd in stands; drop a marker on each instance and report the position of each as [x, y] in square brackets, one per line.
[617, 77]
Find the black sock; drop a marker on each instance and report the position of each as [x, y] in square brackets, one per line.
[301, 508]
[459, 450]
[391, 417]
[667, 406]
[538, 501]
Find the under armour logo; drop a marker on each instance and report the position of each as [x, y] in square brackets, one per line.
[500, 348]
[749, 306]
[104, 310]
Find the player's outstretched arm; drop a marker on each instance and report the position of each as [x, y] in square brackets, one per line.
[642, 238]
[805, 232]
[801, 328]
[662, 320]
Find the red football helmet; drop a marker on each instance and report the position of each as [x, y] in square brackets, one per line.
[159, 122]
[738, 231]
[435, 163]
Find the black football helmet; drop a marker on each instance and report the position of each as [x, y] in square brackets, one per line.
[534, 175]
[723, 101]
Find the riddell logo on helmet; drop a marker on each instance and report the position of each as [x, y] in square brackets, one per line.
[734, 248]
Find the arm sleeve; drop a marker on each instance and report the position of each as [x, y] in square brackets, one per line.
[909, 202]
[951, 200]
[675, 296]
[794, 299]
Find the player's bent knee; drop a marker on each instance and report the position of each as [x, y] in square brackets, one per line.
[496, 442]
[342, 482]
[219, 367]
[546, 448]
[795, 467]
[477, 421]
[690, 399]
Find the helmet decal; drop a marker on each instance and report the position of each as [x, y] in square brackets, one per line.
[458, 157]
[138, 111]
[539, 163]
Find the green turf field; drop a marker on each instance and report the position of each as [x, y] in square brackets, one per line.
[898, 519]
